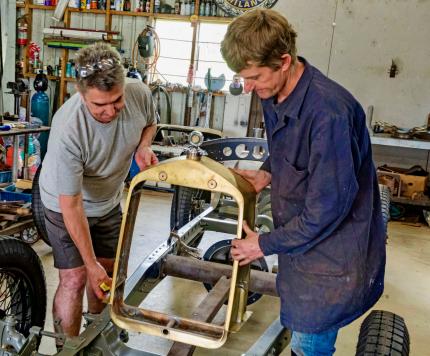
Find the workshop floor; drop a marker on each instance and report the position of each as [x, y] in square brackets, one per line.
[407, 290]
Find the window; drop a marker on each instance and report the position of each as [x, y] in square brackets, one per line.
[209, 54]
[175, 52]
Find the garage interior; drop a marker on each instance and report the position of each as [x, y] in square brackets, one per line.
[377, 50]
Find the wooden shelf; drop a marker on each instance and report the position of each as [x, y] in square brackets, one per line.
[218, 19]
[86, 11]
[33, 75]
[417, 202]
[172, 17]
[130, 13]
[41, 7]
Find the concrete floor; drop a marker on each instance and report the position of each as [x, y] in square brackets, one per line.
[407, 290]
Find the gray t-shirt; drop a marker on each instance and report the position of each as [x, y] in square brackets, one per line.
[89, 157]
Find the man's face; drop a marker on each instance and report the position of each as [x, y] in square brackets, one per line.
[265, 81]
[104, 105]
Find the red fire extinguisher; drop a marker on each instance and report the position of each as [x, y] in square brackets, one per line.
[22, 36]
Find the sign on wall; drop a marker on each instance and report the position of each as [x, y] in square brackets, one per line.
[237, 7]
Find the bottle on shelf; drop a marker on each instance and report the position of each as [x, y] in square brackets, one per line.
[202, 8]
[126, 5]
[192, 7]
[183, 7]
[214, 9]
[156, 6]
[187, 8]
[208, 8]
[177, 7]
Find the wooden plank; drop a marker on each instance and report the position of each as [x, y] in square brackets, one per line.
[205, 312]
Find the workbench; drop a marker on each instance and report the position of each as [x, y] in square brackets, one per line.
[15, 132]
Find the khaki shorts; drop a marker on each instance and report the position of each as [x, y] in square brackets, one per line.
[104, 235]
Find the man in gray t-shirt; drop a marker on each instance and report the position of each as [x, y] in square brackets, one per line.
[92, 141]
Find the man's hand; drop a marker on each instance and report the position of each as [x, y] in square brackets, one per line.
[246, 250]
[259, 178]
[145, 157]
[97, 275]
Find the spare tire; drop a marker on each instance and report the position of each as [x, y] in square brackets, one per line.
[385, 195]
[22, 284]
[383, 334]
[37, 207]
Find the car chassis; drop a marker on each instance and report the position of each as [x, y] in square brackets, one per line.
[230, 193]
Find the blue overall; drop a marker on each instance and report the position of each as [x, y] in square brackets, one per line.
[329, 233]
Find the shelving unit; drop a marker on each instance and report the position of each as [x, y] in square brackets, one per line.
[194, 19]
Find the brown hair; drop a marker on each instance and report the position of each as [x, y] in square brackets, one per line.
[258, 37]
[102, 77]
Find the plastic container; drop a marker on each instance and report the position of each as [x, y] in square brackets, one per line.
[5, 176]
[9, 194]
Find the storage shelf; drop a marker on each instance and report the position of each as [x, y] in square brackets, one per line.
[398, 142]
[218, 19]
[33, 75]
[417, 202]
[130, 13]
[86, 11]
[41, 7]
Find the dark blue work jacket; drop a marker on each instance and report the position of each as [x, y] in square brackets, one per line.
[329, 233]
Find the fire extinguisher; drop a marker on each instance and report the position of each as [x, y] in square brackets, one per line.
[22, 36]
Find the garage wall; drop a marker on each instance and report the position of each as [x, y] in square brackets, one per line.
[354, 43]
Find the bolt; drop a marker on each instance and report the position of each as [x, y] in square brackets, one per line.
[162, 176]
[212, 184]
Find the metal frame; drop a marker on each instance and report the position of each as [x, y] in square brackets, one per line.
[200, 174]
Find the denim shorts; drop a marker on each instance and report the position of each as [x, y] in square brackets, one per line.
[104, 235]
[321, 344]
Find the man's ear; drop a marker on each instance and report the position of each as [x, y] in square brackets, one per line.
[286, 61]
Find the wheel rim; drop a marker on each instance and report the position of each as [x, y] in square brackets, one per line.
[15, 298]
[219, 252]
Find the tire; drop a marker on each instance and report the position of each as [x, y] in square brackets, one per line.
[385, 194]
[219, 252]
[186, 205]
[383, 334]
[37, 207]
[22, 284]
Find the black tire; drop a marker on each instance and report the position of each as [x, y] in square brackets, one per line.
[385, 194]
[22, 284]
[186, 205]
[219, 252]
[37, 207]
[383, 334]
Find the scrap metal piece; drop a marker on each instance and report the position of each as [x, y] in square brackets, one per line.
[272, 342]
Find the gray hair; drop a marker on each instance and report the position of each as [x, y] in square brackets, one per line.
[99, 66]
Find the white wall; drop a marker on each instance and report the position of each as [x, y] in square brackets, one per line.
[357, 51]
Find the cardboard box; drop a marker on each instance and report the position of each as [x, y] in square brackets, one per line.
[410, 184]
[413, 184]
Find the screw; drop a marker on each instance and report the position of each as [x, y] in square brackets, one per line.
[212, 184]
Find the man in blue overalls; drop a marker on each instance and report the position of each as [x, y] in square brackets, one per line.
[329, 234]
